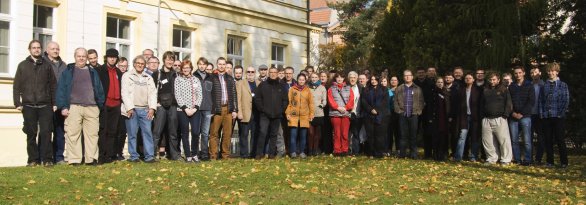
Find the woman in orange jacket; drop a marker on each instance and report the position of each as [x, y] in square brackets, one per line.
[300, 112]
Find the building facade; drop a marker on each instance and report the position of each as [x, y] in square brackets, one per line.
[248, 32]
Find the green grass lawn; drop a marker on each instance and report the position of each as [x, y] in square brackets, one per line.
[319, 180]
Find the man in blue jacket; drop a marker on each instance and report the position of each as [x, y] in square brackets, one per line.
[80, 96]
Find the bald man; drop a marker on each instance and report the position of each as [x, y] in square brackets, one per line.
[80, 96]
[51, 55]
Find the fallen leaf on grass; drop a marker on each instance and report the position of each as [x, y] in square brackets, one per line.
[371, 200]
[100, 186]
[31, 182]
[297, 186]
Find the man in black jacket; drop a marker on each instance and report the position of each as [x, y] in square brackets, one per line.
[34, 95]
[224, 108]
[271, 100]
[496, 107]
[52, 56]
[166, 106]
[110, 76]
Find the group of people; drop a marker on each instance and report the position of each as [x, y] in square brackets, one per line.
[93, 108]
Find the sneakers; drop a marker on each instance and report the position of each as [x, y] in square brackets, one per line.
[195, 159]
[293, 155]
[62, 162]
[150, 161]
[48, 164]
[302, 155]
[188, 160]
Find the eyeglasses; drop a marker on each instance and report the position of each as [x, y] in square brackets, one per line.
[139, 64]
[249, 71]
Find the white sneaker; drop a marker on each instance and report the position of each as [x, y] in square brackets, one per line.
[293, 155]
[188, 159]
[302, 155]
[195, 159]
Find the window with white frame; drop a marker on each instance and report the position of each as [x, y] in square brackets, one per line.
[182, 43]
[5, 6]
[277, 55]
[235, 50]
[4, 35]
[118, 35]
[43, 24]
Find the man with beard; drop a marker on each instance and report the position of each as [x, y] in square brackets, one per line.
[36, 100]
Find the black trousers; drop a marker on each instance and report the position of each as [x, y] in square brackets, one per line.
[394, 132]
[269, 129]
[537, 129]
[428, 139]
[554, 128]
[377, 134]
[120, 137]
[166, 121]
[38, 121]
[355, 126]
[109, 123]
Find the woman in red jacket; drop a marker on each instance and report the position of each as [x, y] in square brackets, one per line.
[341, 100]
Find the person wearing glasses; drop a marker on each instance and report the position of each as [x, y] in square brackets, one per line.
[152, 65]
[177, 66]
[271, 100]
[480, 77]
[408, 104]
[139, 102]
[247, 114]
[121, 138]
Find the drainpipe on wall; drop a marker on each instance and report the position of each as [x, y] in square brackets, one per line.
[308, 36]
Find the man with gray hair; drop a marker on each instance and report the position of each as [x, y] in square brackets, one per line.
[355, 118]
[80, 96]
[52, 56]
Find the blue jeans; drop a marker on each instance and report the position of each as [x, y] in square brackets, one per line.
[408, 135]
[474, 143]
[206, 120]
[525, 124]
[139, 119]
[244, 128]
[302, 131]
[184, 123]
[58, 136]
